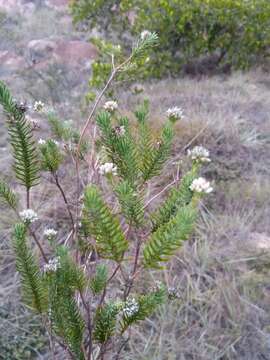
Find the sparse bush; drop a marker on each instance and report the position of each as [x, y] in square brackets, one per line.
[86, 286]
[236, 33]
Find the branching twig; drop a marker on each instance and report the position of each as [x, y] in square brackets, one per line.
[65, 200]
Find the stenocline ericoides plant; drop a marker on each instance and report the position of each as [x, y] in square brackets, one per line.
[84, 284]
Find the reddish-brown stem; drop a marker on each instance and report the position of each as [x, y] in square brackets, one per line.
[65, 199]
[105, 288]
[95, 107]
[28, 198]
[39, 245]
[134, 270]
[160, 193]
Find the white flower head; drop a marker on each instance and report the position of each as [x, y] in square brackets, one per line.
[68, 123]
[108, 168]
[175, 113]
[130, 308]
[38, 106]
[145, 34]
[199, 154]
[41, 142]
[201, 185]
[173, 293]
[120, 130]
[28, 216]
[50, 233]
[110, 106]
[52, 266]
[55, 142]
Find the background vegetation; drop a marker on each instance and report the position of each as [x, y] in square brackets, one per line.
[195, 36]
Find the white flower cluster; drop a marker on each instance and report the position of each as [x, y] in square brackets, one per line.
[200, 154]
[28, 216]
[145, 34]
[43, 142]
[52, 266]
[108, 168]
[110, 106]
[120, 130]
[50, 233]
[157, 287]
[173, 293]
[201, 185]
[56, 142]
[175, 113]
[38, 106]
[130, 308]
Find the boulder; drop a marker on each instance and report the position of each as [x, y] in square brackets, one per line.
[41, 48]
[75, 52]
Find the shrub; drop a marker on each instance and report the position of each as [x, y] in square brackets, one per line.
[236, 32]
[87, 284]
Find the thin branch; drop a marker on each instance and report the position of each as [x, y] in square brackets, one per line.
[95, 107]
[112, 76]
[107, 282]
[117, 357]
[161, 192]
[134, 270]
[39, 245]
[28, 198]
[65, 199]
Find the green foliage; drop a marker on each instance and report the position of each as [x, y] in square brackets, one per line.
[146, 142]
[71, 274]
[98, 282]
[65, 316]
[147, 305]
[177, 198]
[66, 319]
[143, 45]
[34, 292]
[57, 126]
[168, 238]
[237, 32]
[21, 139]
[7, 196]
[99, 222]
[67, 133]
[131, 203]
[105, 322]
[51, 156]
[152, 163]
[120, 149]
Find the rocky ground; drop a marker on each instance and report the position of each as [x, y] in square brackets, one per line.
[41, 54]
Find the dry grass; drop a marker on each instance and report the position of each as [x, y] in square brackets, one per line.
[223, 274]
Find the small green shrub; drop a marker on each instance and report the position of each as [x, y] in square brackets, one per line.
[85, 283]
